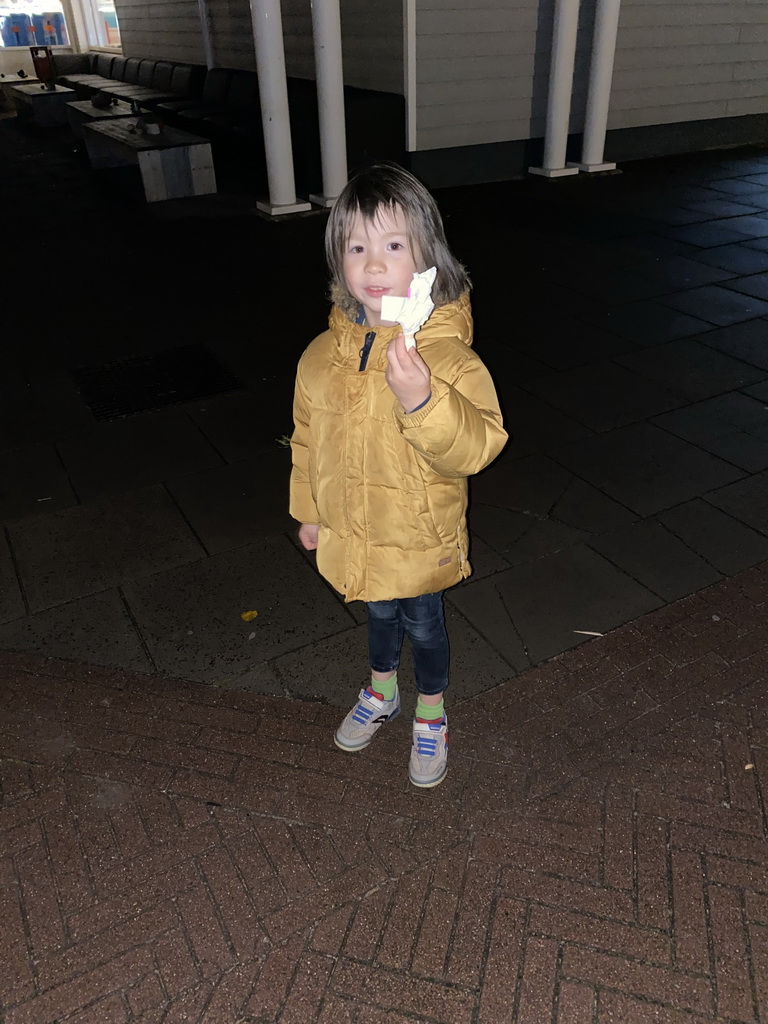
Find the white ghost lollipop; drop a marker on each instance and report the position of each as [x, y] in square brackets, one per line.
[411, 310]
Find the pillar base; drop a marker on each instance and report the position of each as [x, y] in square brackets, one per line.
[593, 168]
[279, 209]
[325, 201]
[558, 172]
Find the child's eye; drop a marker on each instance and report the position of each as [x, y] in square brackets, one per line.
[356, 249]
[396, 246]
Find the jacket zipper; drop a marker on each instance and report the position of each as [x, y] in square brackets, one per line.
[365, 351]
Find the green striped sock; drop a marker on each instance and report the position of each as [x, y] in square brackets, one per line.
[386, 689]
[430, 712]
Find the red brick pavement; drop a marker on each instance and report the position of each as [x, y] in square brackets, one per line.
[173, 853]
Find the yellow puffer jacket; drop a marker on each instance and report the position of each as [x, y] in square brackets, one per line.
[388, 489]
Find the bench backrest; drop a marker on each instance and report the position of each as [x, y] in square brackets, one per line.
[216, 85]
[146, 72]
[243, 92]
[131, 73]
[187, 80]
[163, 73]
[118, 68]
[104, 62]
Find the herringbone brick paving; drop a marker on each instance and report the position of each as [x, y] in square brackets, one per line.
[175, 853]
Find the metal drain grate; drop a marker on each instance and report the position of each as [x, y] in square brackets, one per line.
[143, 383]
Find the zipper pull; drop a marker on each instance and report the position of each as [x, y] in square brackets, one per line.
[365, 351]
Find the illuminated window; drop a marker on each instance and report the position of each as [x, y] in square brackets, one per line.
[105, 10]
[32, 23]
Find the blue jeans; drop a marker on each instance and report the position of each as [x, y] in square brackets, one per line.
[423, 621]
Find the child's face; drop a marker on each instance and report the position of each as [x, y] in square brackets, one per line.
[378, 261]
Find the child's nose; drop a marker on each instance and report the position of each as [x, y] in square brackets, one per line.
[374, 265]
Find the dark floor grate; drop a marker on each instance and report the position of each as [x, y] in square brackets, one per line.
[143, 383]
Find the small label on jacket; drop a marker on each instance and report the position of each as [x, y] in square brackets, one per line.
[444, 561]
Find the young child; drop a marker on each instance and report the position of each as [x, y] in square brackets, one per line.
[385, 438]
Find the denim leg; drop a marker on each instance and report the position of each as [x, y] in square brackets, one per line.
[424, 621]
[385, 635]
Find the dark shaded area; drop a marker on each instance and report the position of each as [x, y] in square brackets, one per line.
[145, 383]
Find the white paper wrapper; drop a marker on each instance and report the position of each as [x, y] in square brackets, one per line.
[412, 310]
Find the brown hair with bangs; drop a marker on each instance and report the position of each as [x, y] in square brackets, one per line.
[387, 186]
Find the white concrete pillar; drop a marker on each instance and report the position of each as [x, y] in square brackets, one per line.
[275, 118]
[560, 90]
[329, 73]
[206, 30]
[600, 79]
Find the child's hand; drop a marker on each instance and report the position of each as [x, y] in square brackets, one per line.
[407, 374]
[308, 535]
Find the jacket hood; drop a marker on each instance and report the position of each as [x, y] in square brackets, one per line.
[454, 319]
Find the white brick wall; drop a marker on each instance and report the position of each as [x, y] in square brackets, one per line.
[372, 29]
[482, 68]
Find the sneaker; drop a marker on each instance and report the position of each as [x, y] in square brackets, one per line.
[365, 719]
[429, 756]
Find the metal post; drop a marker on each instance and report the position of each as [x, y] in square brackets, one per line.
[560, 90]
[206, 29]
[599, 95]
[329, 72]
[275, 117]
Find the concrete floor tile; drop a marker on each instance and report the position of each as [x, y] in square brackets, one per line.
[232, 505]
[190, 619]
[706, 235]
[531, 484]
[96, 630]
[134, 452]
[533, 425]
[755, 284]
[11, 601]
[240, 424]
[745, 341]
[551, 599]
[88, 549]
[644, 468]
[691, 369]
[718, 305]
[334, 669]
[746, 500]
[733, 426]
[657, 559]
[723, 541]
[34, 482]
[604, 395]
[40, 405]
[648, 323]
[524, 538]
[481, 603]
[737, 259]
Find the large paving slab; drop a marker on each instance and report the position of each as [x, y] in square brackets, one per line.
[96, 630]
[718, 305]
[658, 559]
[334, 670]
[33, 482]
[746, 500]
[90, 548]
[723, 541]
[745, 341]
[229, 506]
[11, 601]
[733, 426]
[690, 369]
[190, 617]
[645, 468]
[604, 396]
[555, 602]
[134, 452]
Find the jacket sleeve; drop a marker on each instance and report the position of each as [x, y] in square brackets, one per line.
[302, 504]
[459, 431]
